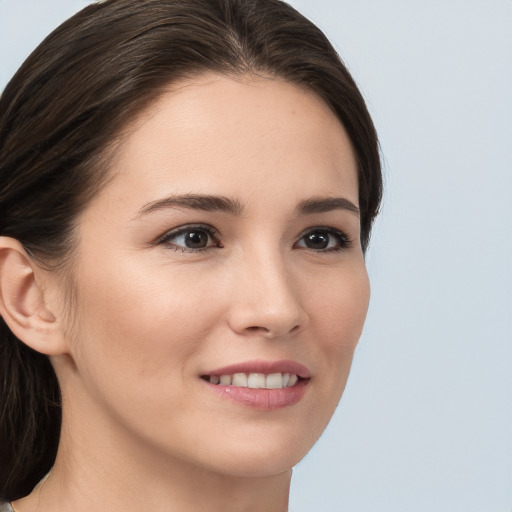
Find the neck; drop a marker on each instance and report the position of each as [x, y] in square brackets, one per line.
[111, 472]
[80, 492]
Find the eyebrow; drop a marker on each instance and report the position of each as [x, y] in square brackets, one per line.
[195, 202]
[210, 203]
[326, 204]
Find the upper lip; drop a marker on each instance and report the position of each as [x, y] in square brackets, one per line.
[265, 367]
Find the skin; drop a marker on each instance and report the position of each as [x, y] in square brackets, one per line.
[141, 431]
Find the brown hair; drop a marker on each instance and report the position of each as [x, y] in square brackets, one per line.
[64, 108]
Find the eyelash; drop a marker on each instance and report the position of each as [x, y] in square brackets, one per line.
[212, 234]
[343, 240]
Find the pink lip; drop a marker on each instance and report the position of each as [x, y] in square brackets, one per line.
[262, 399]
[266, 367]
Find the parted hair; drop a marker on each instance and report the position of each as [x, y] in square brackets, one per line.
[60, 116]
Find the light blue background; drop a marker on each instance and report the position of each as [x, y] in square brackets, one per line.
[425, 424]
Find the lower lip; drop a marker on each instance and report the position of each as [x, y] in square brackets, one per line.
[262, 399]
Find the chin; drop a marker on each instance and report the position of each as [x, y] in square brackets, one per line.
[263, 452]
[258, 465]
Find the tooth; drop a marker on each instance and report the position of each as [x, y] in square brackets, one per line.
[274, 381]
[225, 380]
[256, 380]
[240, 379]
[293, 380]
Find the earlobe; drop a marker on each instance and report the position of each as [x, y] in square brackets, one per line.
[22, 301]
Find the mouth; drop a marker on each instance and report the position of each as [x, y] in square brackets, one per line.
[254, 380]
[259, 384]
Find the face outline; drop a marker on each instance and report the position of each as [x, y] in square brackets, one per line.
[152, 317]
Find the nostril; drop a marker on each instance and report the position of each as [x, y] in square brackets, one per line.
[255, 328]
[269, 332]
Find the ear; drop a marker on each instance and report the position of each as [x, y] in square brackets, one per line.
[22, 300]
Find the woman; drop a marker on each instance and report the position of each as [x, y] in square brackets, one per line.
[187, 190]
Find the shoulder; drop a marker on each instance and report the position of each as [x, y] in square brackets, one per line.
[5, 507]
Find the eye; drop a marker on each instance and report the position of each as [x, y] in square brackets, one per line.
[324, 239]
[191, 238]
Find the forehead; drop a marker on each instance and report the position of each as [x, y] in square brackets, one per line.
[235, 136]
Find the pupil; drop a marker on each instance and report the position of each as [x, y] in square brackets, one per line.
[317, 240]
[196, 239]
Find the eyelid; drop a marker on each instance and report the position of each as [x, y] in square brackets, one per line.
[344, 239]
[179, 230]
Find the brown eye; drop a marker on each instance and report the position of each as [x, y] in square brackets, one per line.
[196, 239]
[317, 240]
[191, 238]
[324, 239]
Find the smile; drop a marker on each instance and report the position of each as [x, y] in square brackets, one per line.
[261, 385]
[255, 380]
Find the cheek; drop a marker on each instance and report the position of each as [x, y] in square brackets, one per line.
[137, 336]
[137, 322]
[340, 314]
[341, 308]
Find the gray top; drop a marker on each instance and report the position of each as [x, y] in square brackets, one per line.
[5, 507]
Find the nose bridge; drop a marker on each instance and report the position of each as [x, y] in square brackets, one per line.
[267, 300]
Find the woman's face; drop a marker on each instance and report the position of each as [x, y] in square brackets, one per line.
[226, 243]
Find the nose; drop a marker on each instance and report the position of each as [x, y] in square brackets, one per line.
[265, 300]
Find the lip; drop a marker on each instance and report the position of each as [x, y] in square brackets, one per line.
[262, 399]
[265, 367]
